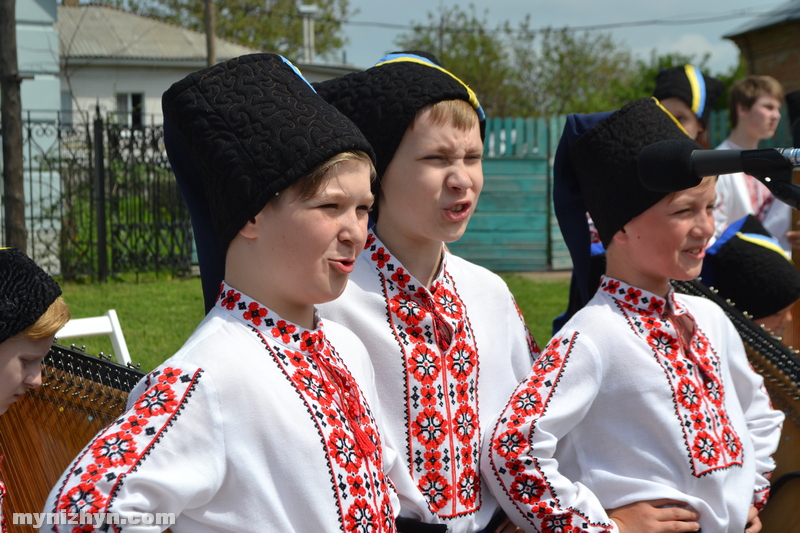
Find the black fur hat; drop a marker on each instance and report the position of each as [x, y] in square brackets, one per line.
[252, 126]
[604, 159]
[26, 292]
[698, 91]
[752, 270]
[383, 100]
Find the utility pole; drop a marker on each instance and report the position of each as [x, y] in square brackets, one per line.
[309, 51]
[211, 33]
[11, 128]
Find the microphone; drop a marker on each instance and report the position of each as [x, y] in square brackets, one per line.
[674, 165]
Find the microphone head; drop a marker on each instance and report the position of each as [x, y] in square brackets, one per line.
[666, 166]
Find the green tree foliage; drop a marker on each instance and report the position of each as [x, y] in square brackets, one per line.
[466, 46]
[520, 71]
[567, 72]
[268, 25]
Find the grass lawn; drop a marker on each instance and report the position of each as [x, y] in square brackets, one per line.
[158, 315]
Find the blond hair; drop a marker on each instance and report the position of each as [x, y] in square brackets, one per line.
[309, 185]
[458, 113]
[49, 323]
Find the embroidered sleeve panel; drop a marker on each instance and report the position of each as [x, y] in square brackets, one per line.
[521, 459]
[100, 470]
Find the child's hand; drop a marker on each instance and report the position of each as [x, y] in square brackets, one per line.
[753, 521]
[653, 517]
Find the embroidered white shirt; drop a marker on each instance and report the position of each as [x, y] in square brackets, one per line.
[446, 358]
[255, 424]
[739, 195]
[618, 410]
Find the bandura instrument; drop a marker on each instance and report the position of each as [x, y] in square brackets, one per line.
[779, 365]
[43, 432]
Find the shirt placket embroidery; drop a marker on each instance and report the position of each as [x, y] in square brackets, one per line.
[441, 376]
[693, 375]
[336, 405]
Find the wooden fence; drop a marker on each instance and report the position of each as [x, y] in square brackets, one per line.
[514, 228]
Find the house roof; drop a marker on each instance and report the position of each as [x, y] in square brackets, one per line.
[788, 12]
[108, 34]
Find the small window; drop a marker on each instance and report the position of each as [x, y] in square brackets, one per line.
[130, 109]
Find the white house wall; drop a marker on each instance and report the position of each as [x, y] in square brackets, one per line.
[90, 86]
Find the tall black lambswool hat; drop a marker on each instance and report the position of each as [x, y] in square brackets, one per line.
[698, 91]
[251, 127]
[383, 100]
[26, 292]
[751, 269]
[604, 160]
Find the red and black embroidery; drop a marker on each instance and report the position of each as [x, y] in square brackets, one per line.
[519, 474]
[441, 379]
[100, 470]
[693, 371]
[340, 412]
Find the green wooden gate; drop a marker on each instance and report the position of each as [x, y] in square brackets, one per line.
[514, 228]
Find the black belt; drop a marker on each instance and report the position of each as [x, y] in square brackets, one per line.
[409, 525]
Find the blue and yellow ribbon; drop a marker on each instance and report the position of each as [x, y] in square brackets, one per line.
[413, 58]
[698, 85]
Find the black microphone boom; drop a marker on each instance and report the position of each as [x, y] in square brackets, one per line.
[674, 165]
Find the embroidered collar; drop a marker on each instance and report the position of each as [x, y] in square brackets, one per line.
[255, 315]
[393, 270]
[640, 299]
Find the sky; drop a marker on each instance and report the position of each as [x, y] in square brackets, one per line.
[674, 34]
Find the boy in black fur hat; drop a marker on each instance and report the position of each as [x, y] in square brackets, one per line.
[265, 419]
[748, 267]
[643, 413]
[445, 336]
[31, 312]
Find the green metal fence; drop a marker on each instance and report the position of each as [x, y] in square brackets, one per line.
[514, 227]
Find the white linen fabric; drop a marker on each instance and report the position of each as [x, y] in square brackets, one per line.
[619, 409]
[446, 358]
[255, 424]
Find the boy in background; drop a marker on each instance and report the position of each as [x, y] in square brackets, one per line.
[755, 110]
[689, 96]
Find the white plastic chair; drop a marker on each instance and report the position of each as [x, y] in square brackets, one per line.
[107, 324]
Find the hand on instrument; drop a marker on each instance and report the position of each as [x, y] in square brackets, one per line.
[655, 517]
[753, 521]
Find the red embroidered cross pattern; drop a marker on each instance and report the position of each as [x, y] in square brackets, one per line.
[527, 486]
[101, 467]
[339, 410]
[441, 373]
[693, 370]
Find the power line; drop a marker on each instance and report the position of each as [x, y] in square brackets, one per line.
[706, 19]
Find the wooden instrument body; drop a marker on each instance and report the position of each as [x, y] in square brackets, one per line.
[43, 432]
[779, 365]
